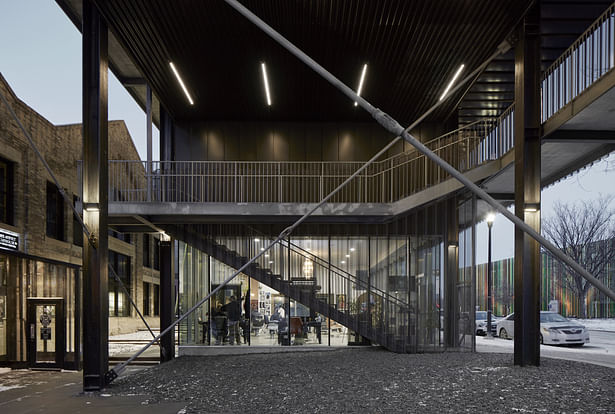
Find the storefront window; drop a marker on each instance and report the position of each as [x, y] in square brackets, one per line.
[24, 280]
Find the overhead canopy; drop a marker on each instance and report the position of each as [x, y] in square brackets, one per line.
[412, 49]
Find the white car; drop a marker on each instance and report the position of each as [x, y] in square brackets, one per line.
[481, 323]
[554, 329]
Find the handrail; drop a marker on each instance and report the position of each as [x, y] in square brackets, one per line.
[388, 180]
[384, 181]
[589, 57]
[326, 263]
[345, 275]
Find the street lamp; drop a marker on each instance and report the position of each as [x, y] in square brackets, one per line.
[490, 219]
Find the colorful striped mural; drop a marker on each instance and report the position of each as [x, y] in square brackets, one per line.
[552, 288]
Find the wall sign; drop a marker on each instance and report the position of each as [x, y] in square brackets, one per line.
[9, 240]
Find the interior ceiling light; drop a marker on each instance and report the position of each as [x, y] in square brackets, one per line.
[450, 84]
[361, 82]
[181, 82]
[266, 82]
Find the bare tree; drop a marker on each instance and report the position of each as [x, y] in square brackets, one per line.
[585, 231]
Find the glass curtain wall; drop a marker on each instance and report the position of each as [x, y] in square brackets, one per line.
[394, 284]
[427, 250]
[193, 286]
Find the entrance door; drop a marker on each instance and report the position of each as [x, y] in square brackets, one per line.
[46, 333]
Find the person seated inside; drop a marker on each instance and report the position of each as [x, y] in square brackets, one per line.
[283, 336]
[219, 325]
[233, 313]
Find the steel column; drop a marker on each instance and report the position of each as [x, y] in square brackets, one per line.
[167, 294]
[95, 194]
[148, 167]
[473, 299]
[527, 189]
[489, 282]
[166, 155]
[166, 135]
[451, 269]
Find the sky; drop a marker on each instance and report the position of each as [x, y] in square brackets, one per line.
[40, 57]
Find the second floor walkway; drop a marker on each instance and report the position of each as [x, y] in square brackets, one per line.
[578, 95]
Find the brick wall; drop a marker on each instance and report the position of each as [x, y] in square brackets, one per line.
[61, 146]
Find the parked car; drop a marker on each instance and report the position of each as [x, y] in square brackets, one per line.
[554, 330]
[481, 323]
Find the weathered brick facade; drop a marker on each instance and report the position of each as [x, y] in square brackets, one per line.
[61, 146]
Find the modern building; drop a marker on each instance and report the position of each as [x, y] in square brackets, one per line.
[554, 287]
[252, 140]
[41, 243]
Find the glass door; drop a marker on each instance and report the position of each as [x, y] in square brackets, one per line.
[46, 333]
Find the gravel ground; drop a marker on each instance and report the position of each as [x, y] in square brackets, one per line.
[373, 381]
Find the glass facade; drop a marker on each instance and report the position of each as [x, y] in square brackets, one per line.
[393, 284]
[39, 304]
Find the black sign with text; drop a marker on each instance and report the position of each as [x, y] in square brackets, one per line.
[9, 240]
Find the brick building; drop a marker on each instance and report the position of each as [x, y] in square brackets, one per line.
[41, 242]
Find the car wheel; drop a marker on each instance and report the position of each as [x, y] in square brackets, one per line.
[503, 333]
[540, 339]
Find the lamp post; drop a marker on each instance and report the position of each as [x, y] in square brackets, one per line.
[490, 219]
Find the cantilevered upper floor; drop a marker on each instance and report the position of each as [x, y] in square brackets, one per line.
[249, 133]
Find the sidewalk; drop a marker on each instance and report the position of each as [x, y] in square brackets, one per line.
[25, 391]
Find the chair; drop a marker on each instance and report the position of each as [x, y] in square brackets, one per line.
[272, 327]
[296, 328]
[258, 321]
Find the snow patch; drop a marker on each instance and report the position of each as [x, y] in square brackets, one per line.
[606, 324]
[10, 387]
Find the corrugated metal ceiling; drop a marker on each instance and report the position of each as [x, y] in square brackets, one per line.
[412, 48]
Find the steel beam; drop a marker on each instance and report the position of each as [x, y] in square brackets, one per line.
[167, 293]
[527, 189]
[95, 169]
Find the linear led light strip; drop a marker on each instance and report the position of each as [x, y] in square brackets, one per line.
[266, 82]
[361, 82]
[452, 81]
[181, 82]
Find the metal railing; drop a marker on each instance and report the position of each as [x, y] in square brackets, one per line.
[583, 63]
[384, 181]
[591, 56]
